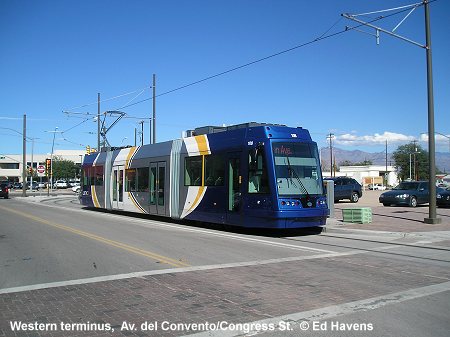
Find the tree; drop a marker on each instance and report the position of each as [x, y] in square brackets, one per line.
[411, 158]
[365, 162]
[63, 168]
[347, 162]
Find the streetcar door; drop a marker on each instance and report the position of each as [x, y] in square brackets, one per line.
[117, 187]
[157, 188]
[234, 193]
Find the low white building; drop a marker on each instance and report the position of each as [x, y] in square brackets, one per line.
[370, 174]
[11, 164]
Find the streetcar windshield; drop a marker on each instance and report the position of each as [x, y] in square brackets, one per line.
[297, 168]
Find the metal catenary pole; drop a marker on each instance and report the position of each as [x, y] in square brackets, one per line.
[432, 214]
[24, 156]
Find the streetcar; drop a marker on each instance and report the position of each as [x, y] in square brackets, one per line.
[248, 175]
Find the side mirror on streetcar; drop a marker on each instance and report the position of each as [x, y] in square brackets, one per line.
[254, 154]
[252, 163]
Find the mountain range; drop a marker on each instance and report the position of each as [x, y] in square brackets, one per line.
[377, 158]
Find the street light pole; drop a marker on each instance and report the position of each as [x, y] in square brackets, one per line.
[51, 158]
[153, 124]
[98, 122]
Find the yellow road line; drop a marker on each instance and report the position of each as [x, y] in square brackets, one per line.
[117, 244]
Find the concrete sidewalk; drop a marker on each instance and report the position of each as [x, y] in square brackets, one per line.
[390, 219]
[403, 224]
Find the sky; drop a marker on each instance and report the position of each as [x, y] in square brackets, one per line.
[56, 56]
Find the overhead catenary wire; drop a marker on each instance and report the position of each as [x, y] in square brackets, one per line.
[392, 9]
[107, 99]
[73, 127]
[131, 100]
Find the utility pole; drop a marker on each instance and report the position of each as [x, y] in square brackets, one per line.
[330, 136]
[386, 173]
[98, 122]
[142, 132]
[32, 161]
[414, 160]
[154, 111]
[24, 156]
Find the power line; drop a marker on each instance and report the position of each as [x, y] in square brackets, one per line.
[73, 127]
[108, 99]
[392, 9]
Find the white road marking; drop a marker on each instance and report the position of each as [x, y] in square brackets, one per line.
[173, 271]
[338, 310]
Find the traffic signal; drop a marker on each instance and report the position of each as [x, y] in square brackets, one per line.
[88, 149]
[30, 170]
[48, 165]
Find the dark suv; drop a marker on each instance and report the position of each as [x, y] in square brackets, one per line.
[4, 190]
[346, 188]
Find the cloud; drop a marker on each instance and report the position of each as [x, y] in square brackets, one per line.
[375, 139]
[440, 138]
[352, 139]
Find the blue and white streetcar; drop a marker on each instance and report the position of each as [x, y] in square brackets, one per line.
[247, 175]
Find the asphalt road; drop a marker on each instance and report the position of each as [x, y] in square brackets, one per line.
[382, 281]
[58, 240]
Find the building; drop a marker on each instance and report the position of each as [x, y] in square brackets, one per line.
[370, 174]
[11, 164]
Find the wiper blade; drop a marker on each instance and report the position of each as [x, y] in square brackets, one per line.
[293, 173]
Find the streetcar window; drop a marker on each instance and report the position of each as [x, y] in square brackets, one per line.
[86, 176]
[98, 176]
[193, 171]
[130, 180]
[258, 181]
[214, 170]
[142, 179]
[92, 176]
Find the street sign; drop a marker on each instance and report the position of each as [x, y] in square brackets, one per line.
[41, 169]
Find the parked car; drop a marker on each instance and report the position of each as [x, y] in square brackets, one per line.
[377, 187]
[407, 193]
[34, 187]
[346, 188]
[443, 197]
[17, 185]
[61, 184]
[4, 190]
[76, 187]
